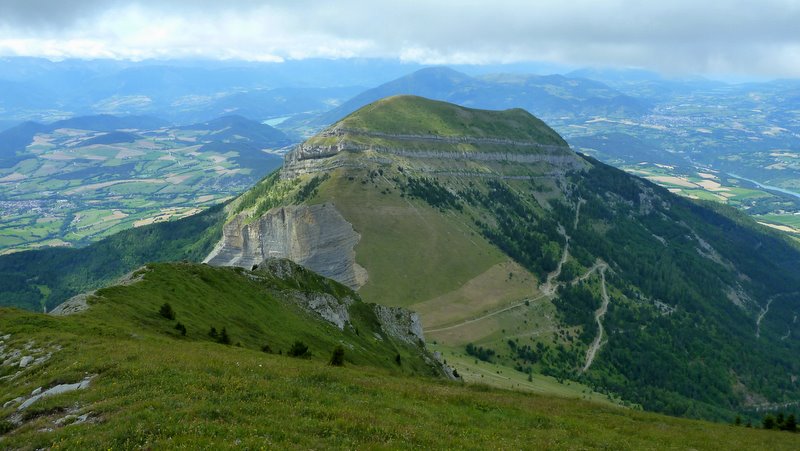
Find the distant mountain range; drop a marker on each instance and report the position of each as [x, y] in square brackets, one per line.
[549, 97]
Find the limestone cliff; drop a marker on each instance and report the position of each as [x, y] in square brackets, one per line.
[315, 236]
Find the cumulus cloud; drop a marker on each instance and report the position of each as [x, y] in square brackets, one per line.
[680, 36]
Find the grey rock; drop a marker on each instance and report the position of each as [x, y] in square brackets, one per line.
[326, 306]
[311, 158]
[315, 236]
[13, 401]
[400, 323]
[25, 361]
[57, 390]
[75, 304]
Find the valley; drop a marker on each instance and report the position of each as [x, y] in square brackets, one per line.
[73, 186]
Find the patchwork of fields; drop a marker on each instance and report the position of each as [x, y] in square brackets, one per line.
[68, 191]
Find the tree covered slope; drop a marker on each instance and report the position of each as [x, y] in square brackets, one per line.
[550, 262]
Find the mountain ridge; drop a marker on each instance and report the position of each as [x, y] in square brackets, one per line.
[435, 212]
[454, 237]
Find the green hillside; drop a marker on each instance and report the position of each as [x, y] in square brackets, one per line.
[549, 263]
[42, 279]
[534, 261]
[415, 123]
[412, 115]
[148, 386]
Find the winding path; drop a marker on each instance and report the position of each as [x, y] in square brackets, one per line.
[548, 288]
[598, 315]
[488, 315]
[761, 316]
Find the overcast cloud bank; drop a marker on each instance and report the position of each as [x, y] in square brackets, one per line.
[678, 37]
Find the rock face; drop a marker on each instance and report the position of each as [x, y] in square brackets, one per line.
[75, 304]
[316, 158]
[326, 306]
[315, 236]
[400, 323]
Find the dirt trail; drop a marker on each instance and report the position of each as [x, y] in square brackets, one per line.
[598, 315]
[761, 316]
[488, 315]
[598, 265]
[547, 289]
[577, 214]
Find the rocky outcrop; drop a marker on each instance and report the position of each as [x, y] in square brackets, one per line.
[326, 306]
[310, 158]
[401, 324]
[315, 236]
[75, 304]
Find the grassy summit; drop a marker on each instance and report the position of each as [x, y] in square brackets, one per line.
[415, 123]
[412, 115]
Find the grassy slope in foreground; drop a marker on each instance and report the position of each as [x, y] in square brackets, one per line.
[155, 389]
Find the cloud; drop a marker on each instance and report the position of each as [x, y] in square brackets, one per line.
[680, 36]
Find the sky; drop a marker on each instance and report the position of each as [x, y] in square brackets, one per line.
[759, 38]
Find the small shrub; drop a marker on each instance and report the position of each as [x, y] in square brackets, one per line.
[298, 349]
[5, 427]
[167, 312]
[337, 357]
[790, 424]
[213, 333]
[224, 338]
[181, 328]
[266, 349]
[397, 359]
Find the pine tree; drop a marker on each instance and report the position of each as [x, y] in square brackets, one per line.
[790, 424]
[337, 357]
[768, 422]
[167, 312]
[298, 349]
[224, 338]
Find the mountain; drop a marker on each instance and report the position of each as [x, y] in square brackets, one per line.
[182, 91]
[248, 138]
[15, 140]
[237, 129]
[516, 250]
[548, 97]
[110, 123]
[187, 355]
[520, 256]
[110, 138]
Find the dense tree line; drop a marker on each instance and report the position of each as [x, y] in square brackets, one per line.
[480, 352]
[432, 192]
